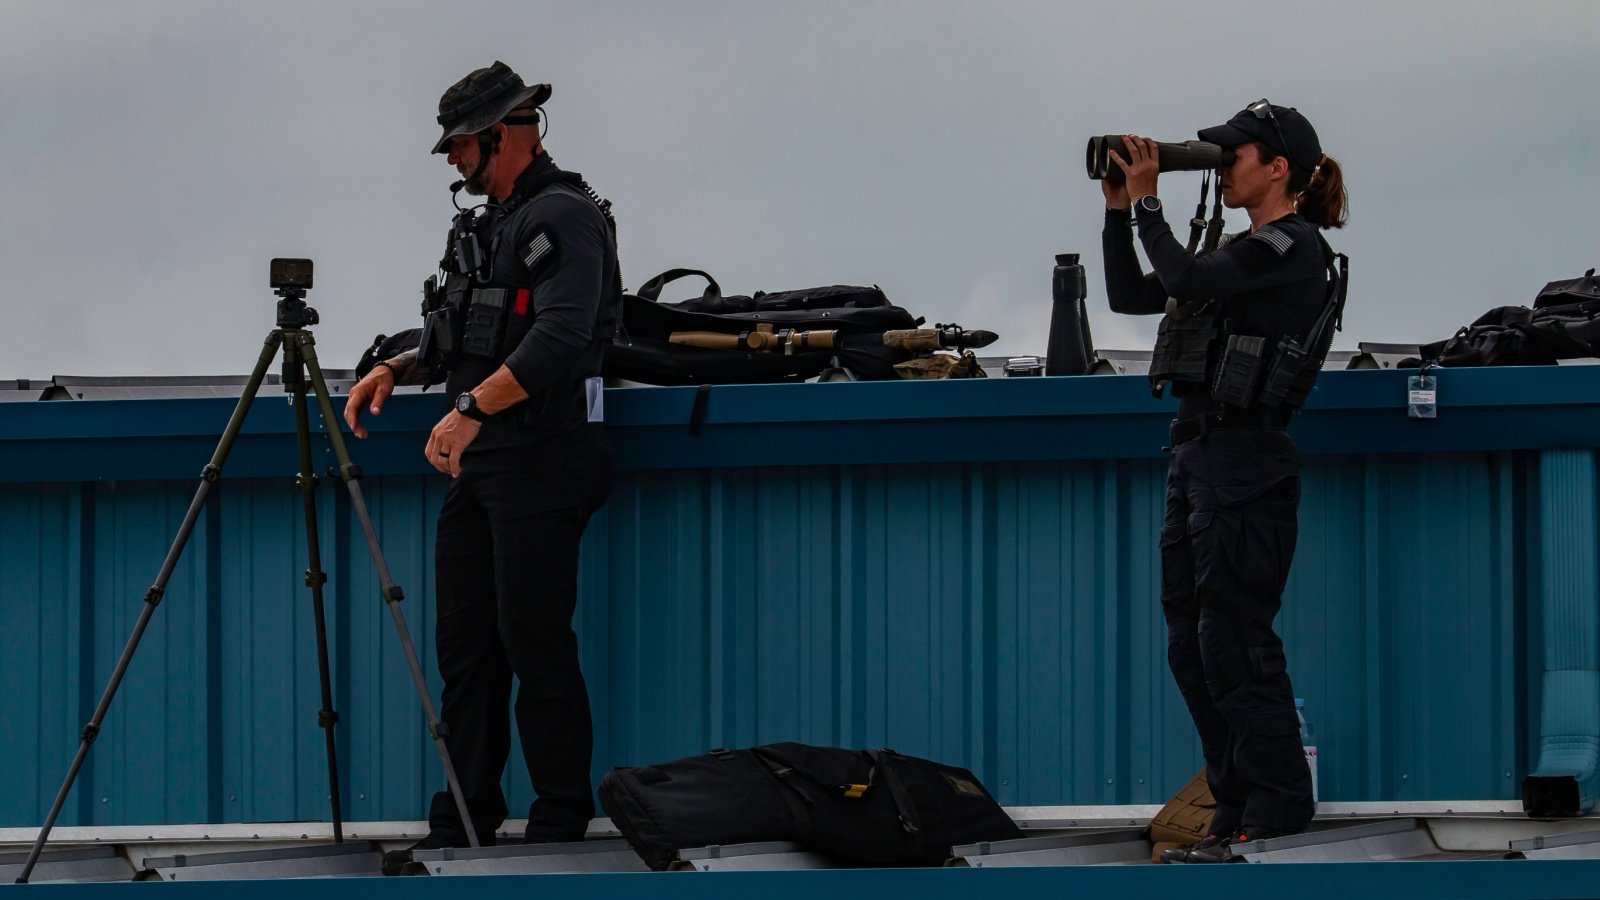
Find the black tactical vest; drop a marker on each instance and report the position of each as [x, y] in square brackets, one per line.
[1187, 342]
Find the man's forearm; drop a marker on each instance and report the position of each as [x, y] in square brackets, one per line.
[406, 368]
[499, 391]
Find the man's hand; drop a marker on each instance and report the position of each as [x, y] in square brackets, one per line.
[1141, 168]
[450, 438]
[372, 392]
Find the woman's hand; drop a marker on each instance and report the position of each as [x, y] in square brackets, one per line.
[1116, 194]
[1141, 168]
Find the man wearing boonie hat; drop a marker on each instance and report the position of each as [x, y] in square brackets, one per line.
[533, 285]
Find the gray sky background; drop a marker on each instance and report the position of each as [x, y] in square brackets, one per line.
[155, 155]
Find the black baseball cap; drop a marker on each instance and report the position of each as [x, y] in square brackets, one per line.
[483, 98]
[1282, 128]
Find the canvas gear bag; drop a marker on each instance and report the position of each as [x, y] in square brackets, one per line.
[1563, 323]
[863, 807]
[1520, 336]
[1185, 819]
[1566, 293]
[644, 351]
[941, 365]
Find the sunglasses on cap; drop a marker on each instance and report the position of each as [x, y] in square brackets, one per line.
[1262, 109]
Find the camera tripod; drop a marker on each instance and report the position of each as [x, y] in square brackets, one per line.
[299, 359]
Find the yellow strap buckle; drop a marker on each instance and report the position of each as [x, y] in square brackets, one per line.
[854, 791]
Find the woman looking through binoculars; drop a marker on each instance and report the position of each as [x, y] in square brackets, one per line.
[1244, 330]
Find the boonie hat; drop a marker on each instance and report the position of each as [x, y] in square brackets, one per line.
[1282, 128]
[483, 98]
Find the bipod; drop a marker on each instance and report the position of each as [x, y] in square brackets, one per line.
[300, 360]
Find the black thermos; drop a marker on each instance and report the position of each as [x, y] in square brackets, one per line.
[1071, 348]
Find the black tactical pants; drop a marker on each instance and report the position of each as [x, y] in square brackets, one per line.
[506, 563]
[1226, 546]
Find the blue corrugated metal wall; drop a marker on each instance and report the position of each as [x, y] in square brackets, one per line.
[998, 613]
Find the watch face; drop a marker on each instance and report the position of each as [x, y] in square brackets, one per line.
[1150, 202]
[464, 403]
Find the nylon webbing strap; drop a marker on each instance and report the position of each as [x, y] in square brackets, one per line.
[1214, 227]
[902, 800]
[780, 770]
[1333, 308]
[1197, 225]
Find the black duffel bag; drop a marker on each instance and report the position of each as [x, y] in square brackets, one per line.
[862, 807]
[643, 350]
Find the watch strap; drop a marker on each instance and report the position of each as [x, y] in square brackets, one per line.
[470, 407]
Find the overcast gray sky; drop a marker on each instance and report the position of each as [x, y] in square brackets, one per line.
[155, 155]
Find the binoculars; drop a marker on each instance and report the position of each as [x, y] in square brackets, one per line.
[1188, 156]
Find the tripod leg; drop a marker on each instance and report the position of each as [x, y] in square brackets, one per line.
[152, 597]
[350, 473]
[306, 482]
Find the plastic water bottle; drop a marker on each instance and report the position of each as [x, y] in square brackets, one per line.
[1308, 742]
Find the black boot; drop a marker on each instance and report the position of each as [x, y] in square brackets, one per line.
[1215, 850]
[1181, 854]
[399, 862]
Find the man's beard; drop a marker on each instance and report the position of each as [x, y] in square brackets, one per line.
[474, 185]
[475, 182]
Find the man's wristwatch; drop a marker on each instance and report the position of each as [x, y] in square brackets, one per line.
[1150, 203]
[467, 405]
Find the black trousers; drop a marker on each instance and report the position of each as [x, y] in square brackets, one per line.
[506, 564]
[1226, 545]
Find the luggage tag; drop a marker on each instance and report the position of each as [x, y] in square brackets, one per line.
[594, 391]
[1422, 395]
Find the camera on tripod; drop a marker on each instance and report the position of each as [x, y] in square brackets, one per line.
[290, 279]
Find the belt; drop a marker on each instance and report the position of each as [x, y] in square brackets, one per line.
[1187, 429]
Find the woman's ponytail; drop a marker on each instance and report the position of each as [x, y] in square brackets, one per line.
[1320, 196]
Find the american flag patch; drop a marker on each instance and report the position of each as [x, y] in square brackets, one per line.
[1277, 240]
[537, 248]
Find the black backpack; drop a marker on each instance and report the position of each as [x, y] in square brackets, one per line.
[1563, 323]
[1585, 290]
[645, 352]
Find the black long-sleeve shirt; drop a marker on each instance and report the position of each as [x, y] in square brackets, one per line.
[1271, 282]
[555, 253]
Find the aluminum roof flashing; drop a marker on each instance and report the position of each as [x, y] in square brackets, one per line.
[1341, 855]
